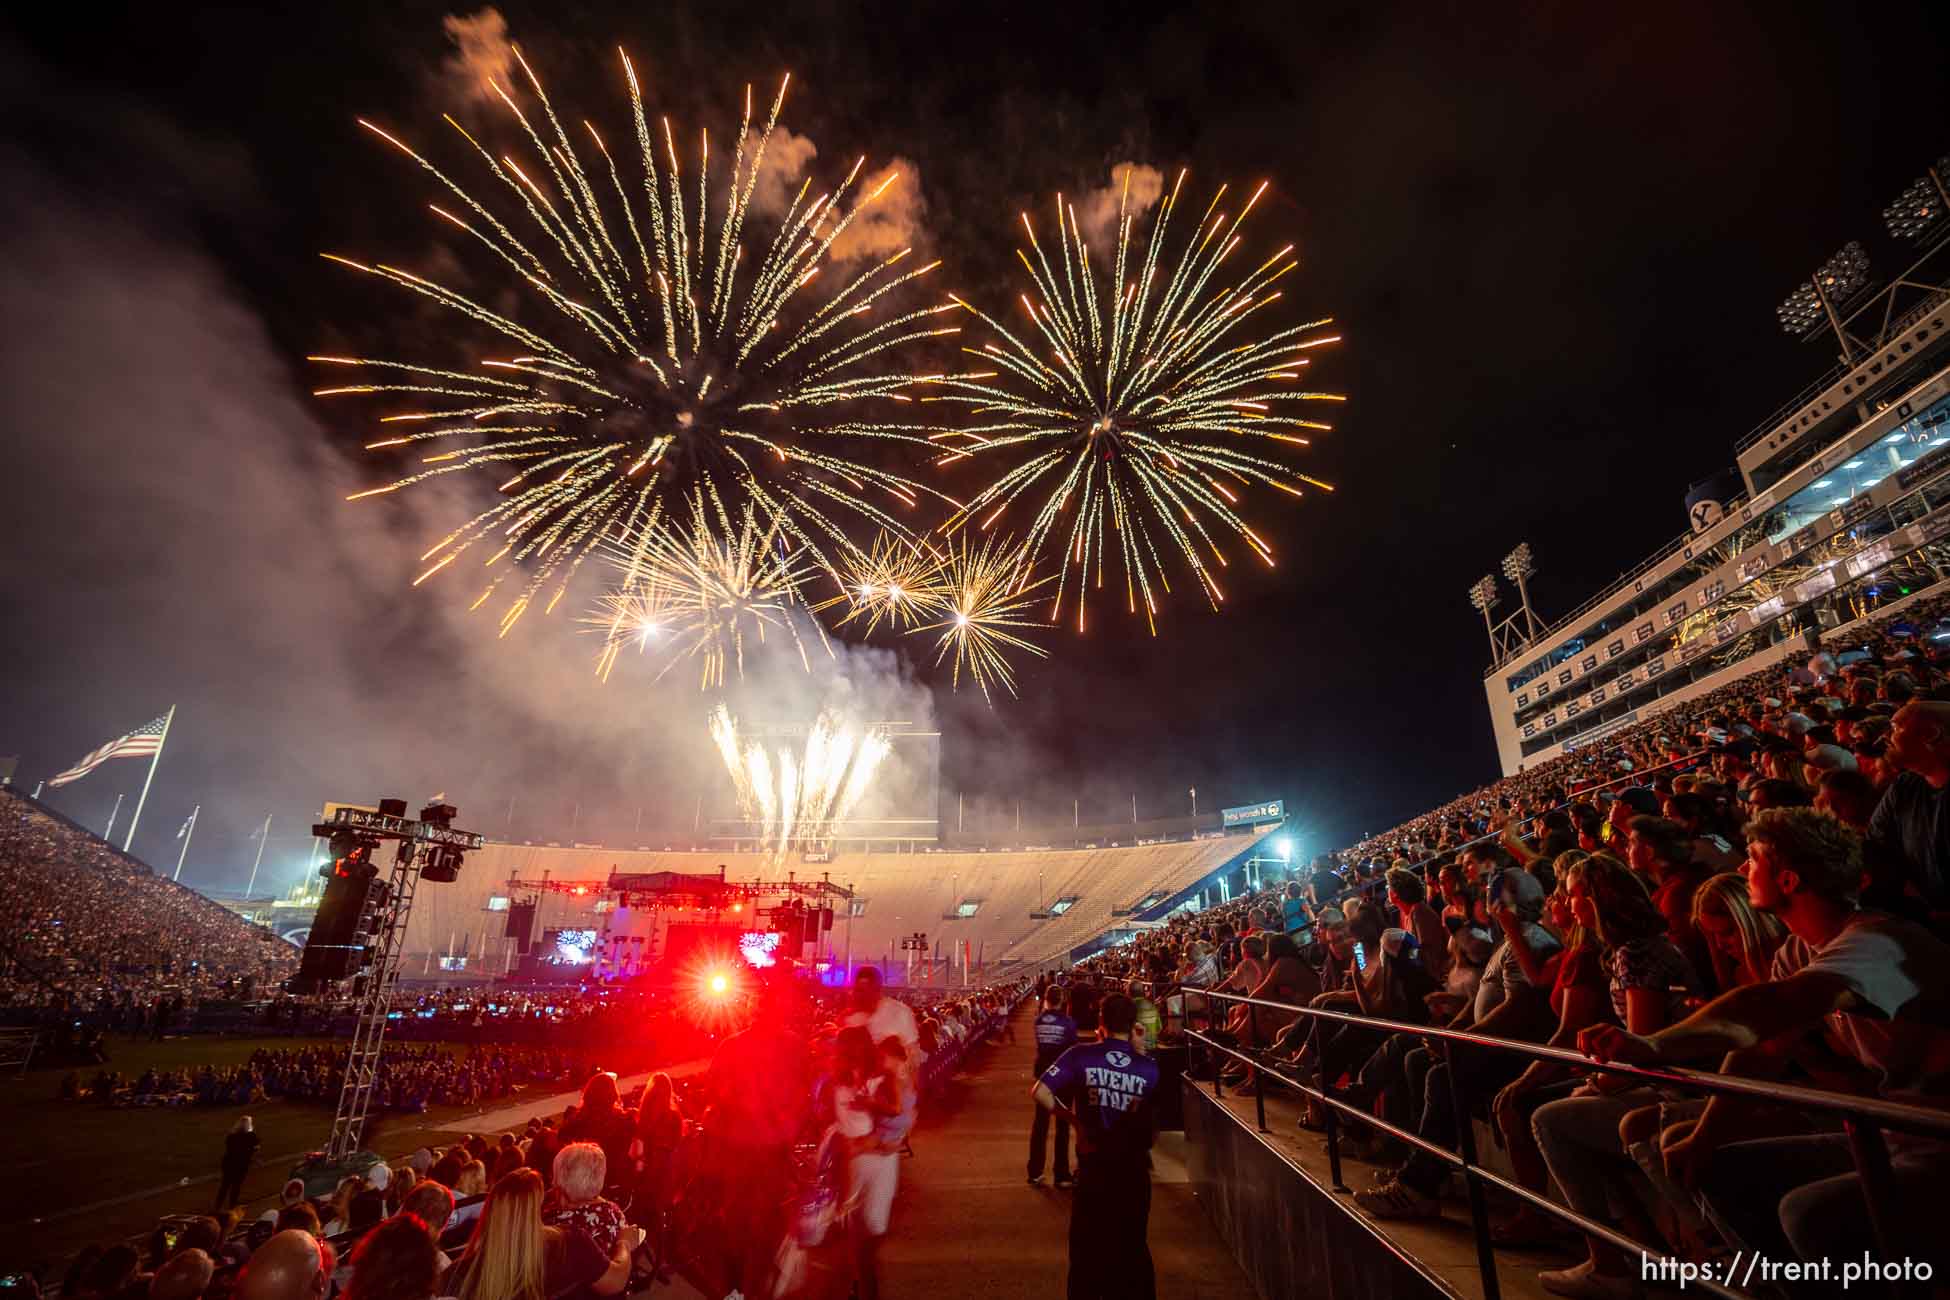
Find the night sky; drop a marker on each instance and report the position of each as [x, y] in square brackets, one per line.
[1553, 237]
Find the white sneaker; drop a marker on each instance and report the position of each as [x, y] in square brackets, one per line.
[1585, 1282]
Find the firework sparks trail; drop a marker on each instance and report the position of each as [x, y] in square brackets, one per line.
[811, 795]
[698, 589]
[648, 358]
[1132, 410]
[896, 580]
[987, 590]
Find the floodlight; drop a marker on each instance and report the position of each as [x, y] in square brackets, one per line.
[1840, 278]
[1482, 594]
[1518, 564]
[1917, 213]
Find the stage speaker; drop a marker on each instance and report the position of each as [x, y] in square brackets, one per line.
[521, 925]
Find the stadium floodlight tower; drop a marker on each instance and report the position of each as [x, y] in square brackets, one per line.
[1824, 299]
[1917, 214]
[1518, 566]
[365, 952]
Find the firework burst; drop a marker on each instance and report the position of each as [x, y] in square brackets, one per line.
[897, 580]
[800, 797]
[647, 357]
[696, 590]
[987, 590]
[1133, 411]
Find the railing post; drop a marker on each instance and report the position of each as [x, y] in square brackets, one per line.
[1259, 1075]
[1871, 1153]
[1219, 1058]
[1330, 1118]
[1479, 1214]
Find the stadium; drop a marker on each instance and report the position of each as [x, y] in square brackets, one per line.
[778, 918]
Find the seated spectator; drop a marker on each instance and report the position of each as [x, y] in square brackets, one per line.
[1661, 852]
[1649, 983]
[395, 1261]
[1882, 987]
[513, 1254]
[1848, 796]
[290, 1266]
[185, 1277]
[577, 1200]
[1409, 896]
[433, 1205]
[1909, 825]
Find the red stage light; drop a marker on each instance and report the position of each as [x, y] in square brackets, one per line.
[718, 984]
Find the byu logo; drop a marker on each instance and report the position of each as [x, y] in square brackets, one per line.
[1706, 514]
[1118, 1059]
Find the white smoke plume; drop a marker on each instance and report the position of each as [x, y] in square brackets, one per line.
[482, 52]
[787, 156]
[892, 221]
[1097, 209]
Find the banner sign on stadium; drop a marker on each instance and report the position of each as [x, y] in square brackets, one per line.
[1253, 813]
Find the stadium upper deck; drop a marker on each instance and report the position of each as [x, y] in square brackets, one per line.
[1846, 497]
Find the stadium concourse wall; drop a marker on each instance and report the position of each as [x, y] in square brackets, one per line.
[895, 895]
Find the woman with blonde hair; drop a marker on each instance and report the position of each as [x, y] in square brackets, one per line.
[514, 1256]
[1740, 937]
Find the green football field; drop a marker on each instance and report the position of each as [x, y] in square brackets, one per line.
[76, 1172]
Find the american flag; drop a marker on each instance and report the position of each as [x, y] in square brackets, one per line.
[144, 742]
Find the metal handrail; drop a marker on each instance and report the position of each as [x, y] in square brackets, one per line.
[1895, 1114]
[1863, 1120]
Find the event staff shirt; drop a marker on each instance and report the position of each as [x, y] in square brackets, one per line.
[1056, 1034]
[1113, 1090]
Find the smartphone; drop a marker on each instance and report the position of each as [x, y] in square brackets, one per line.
[1360, 955]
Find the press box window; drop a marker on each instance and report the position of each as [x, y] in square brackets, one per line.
[1062, 905]
[968, 907]
[497, 903]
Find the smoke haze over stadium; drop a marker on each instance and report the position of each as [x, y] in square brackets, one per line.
[1553, 244]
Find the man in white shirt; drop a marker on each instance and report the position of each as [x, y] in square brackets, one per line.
[883, 1016]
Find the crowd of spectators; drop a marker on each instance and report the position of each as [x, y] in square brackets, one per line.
[1757, 882]
[411, 1077]
[583, 1195]
[84, 928]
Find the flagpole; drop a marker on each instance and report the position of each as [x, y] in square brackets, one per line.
[153, 761]
[262, 836]
[113, 813]
[189, 832]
